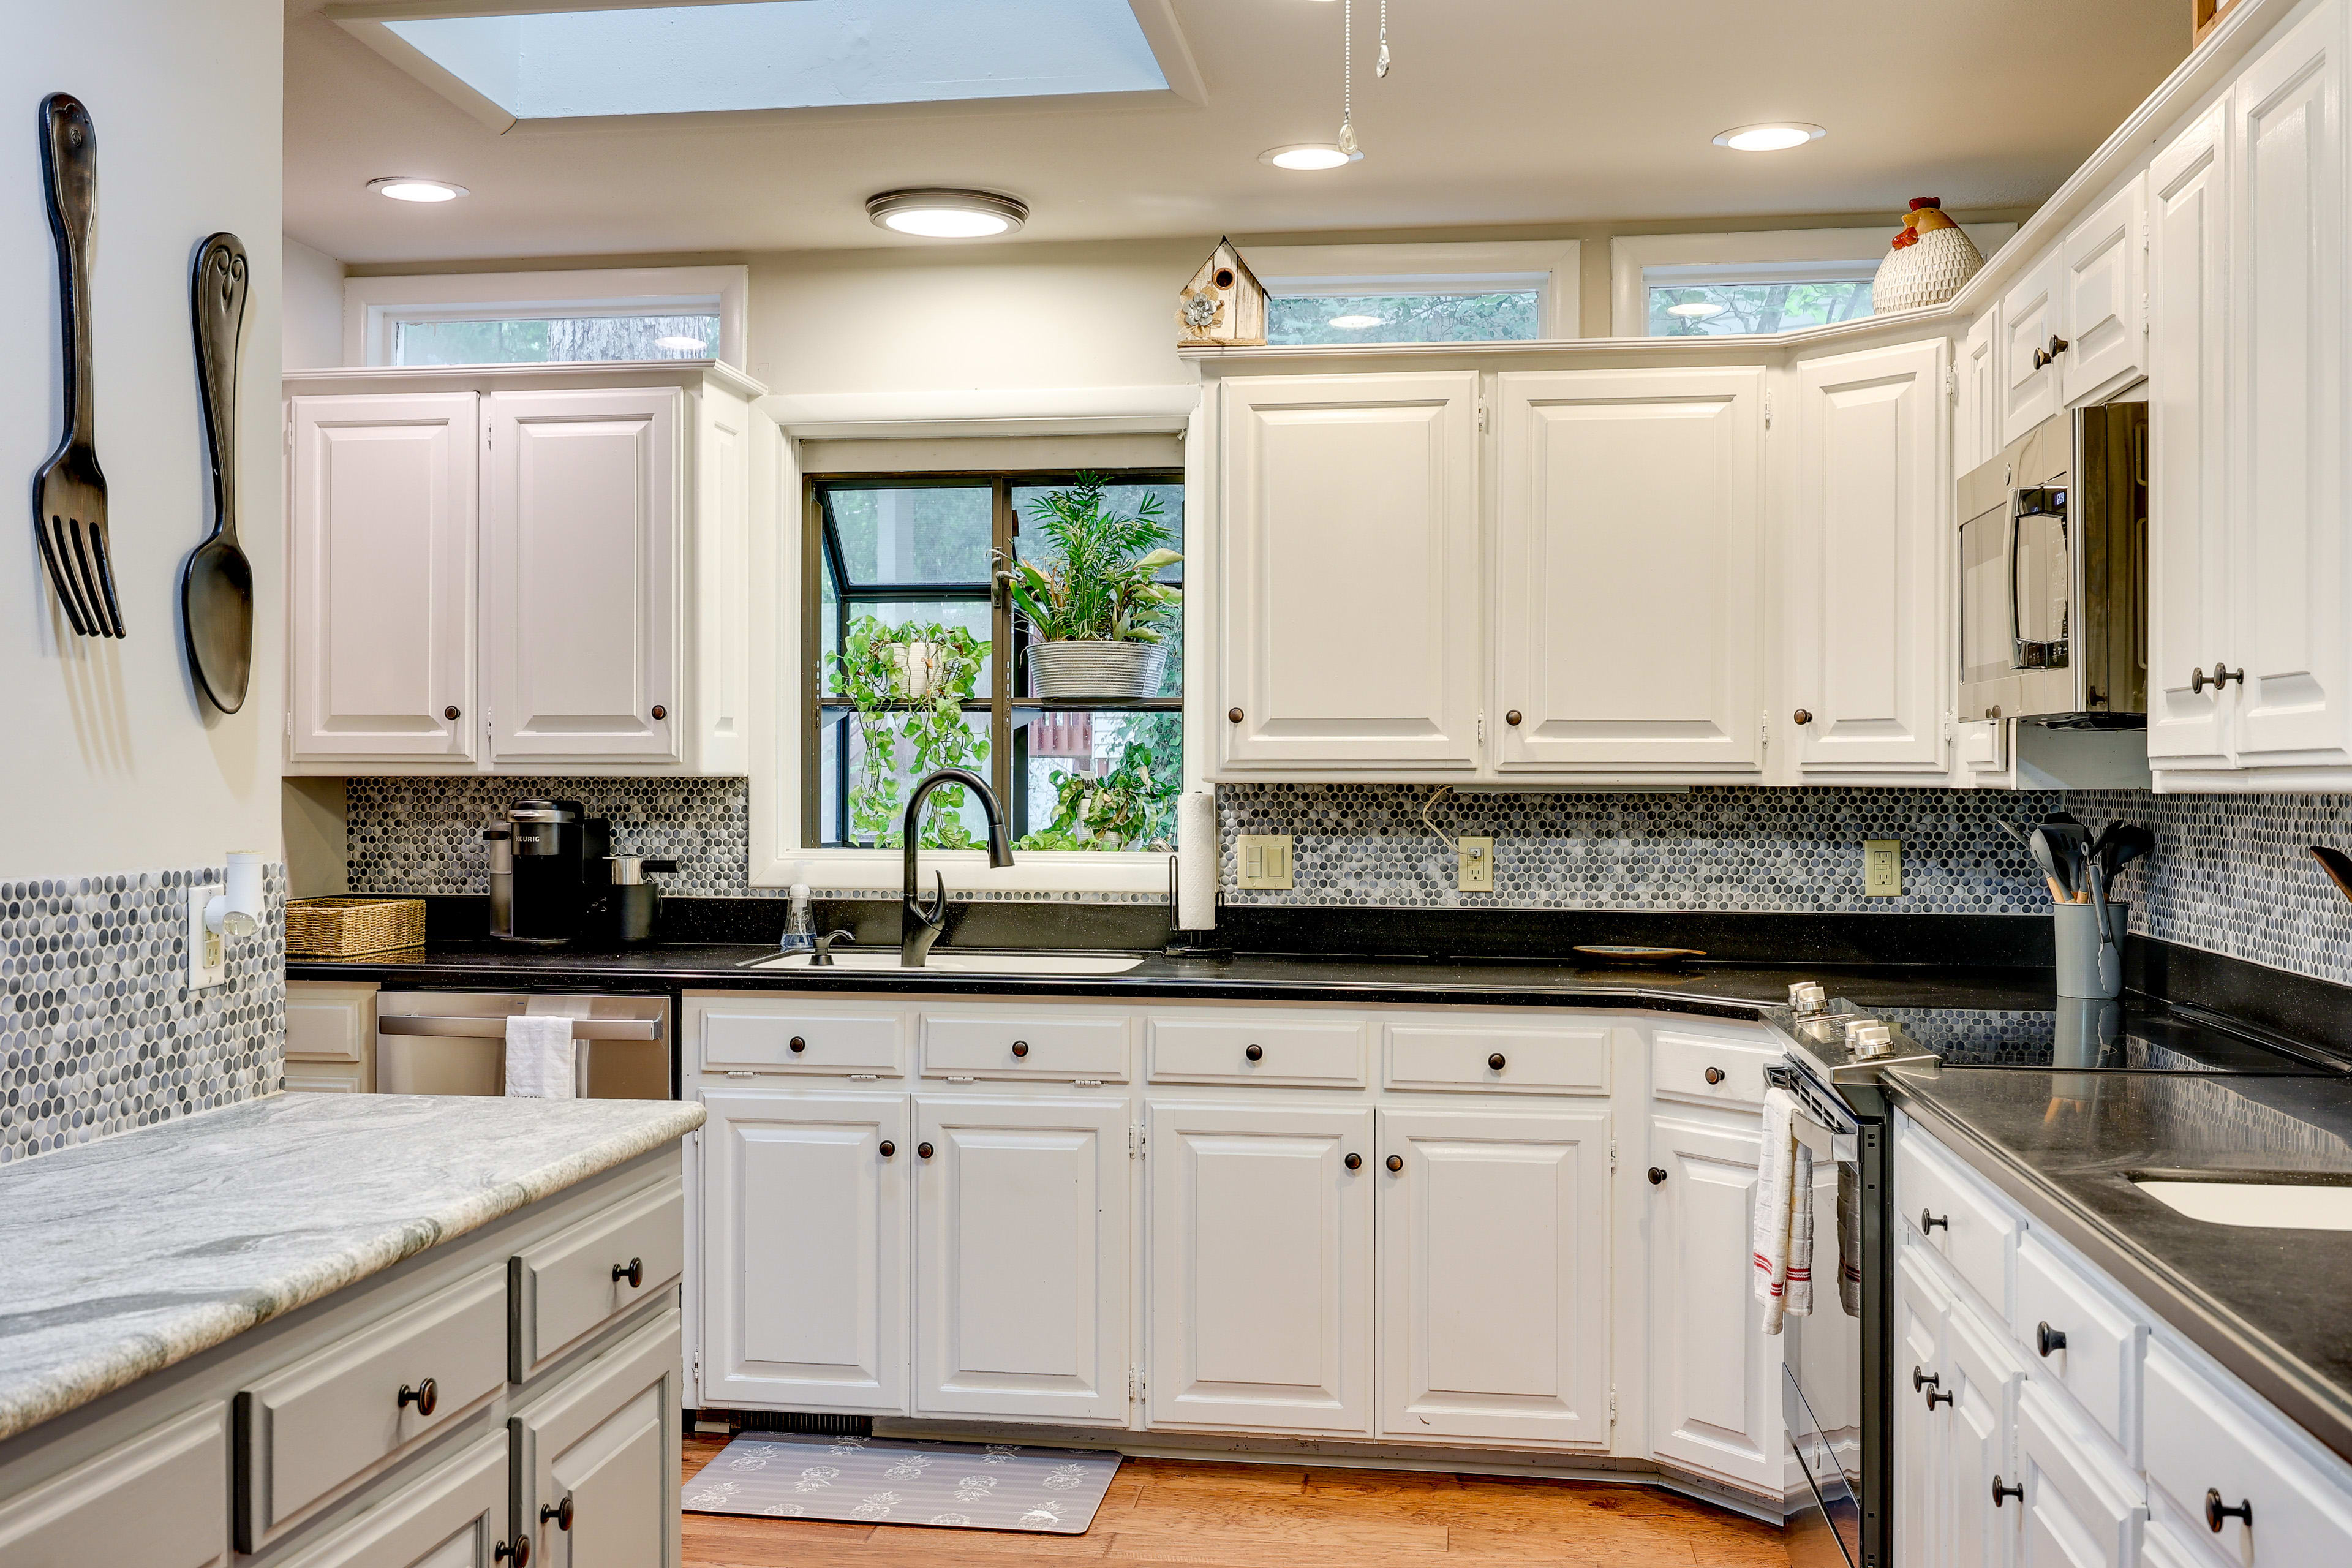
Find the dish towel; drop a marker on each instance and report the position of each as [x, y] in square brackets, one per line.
[1799, 1301]
[1776, 1202]
[539, 1057]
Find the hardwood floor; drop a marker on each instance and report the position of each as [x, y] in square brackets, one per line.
[1273, 1516]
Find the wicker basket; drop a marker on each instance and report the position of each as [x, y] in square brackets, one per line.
[347, 927]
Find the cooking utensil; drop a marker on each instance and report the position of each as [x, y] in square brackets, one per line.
[70, 492]
[2111, 957]
[2128, 842]
[2337, 865]
[216, 585]
[2046, 855]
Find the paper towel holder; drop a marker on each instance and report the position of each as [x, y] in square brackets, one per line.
[1183, 943]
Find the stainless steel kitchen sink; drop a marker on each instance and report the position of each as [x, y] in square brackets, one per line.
[966, 961]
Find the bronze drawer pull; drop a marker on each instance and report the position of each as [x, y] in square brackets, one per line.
[2000, 1491]
[1255, 1053]
[517, 1551]
[633, 1271]
[561, 1513]
[1657, 1175]
[426, 1396]
[1928, 1222]
[1396, 1162]
[2215, 1513]
[923, 1151]
[1496, 1061]
[888, 1148]
[799, 1043]
[1354, 1162]
[450, 713]
[1020, 1047]
[2047, 1339]
[1715, 1075]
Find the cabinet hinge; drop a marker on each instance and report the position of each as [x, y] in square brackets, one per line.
[1952, 385]
[1612, 1404]
[741, 1072]
[1764, 734]
[290, 430]
[1482, 728]
[1768, 411]
[290, 724]
[1612, 1153]
[1481, 416]
[1135, 1384]
[697, 1368]
[952, 1078]
[1138, 1141]
[1085, 1083]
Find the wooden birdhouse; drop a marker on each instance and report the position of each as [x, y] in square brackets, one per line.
[1224, 306]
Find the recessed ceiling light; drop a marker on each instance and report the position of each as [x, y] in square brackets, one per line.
[947, 213]
[1689, 310]
[1308, 155]
[683, 345]
[403, 188]
[1776, 137]
[1354, 323]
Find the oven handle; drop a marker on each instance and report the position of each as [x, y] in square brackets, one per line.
[495, 1029]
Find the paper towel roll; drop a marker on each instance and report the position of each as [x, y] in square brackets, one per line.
[1197, 857]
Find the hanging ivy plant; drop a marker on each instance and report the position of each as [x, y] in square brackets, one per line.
[910, 682]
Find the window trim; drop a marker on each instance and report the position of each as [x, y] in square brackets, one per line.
[1746, 257]
[374, 306]
[1502, 266]
[781, 691]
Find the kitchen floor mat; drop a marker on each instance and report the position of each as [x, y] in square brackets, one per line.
[875, 1481]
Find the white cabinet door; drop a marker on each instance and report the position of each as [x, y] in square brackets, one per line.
[1978, 1436]
[383, 537]
[805, 1250]
[605, 1440]
[2032, 316]
[2287, 470]
[2107, 297]
[1021, 1257]
[2187, 506]
[1868, 579]
[2080, 1511]
[1923, 1495]
[1975, 428]
[1629, 572]
[1261, 1267]
[1715, 1375]
[1348, 559]
[453, 1518]
[582, 580]
[1494, 1253]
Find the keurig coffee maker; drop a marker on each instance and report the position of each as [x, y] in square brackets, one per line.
[554, 854]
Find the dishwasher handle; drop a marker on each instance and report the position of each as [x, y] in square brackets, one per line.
[495, 1029]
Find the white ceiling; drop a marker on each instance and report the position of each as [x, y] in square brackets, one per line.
[1498, 112]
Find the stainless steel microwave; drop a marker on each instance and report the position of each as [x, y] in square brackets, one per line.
[2053, 574]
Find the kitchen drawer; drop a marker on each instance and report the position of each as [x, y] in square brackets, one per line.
[1292, 1052]
[328, 1022]
[311, 1430]
[2099, 1361]
[160, 1501]
[578, 1280]
[453, 1518]
[1958, 1217]
[1018, 1045]
[2208, 1433]
[1682, 1060]
[789, 1037]
[1522, 1060]
[2081, 1507]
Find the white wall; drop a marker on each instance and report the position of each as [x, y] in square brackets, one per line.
[112, 761]
[314, 307]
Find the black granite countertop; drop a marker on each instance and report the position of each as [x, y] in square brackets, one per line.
[1708, 990]
[2272, 1305]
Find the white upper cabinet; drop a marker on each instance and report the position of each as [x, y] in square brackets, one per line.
[1629, 581]
[2189, 571]
[2106, 329]
[1870, 671]
[2286, 480]
[382, 507]
[1348, 573]
[2030, 313]
[522, 570]
[580, 592]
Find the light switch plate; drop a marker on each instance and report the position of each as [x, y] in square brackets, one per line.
[1262, 860]
[1881, 868]
[207, 949]
[1474, 861]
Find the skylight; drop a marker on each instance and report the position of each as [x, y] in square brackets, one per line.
[788, 54]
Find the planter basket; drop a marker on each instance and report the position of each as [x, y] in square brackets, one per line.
[346, 927]
[1096, 668]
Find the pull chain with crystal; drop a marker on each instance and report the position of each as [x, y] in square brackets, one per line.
[1348, 79]
[1382, 69]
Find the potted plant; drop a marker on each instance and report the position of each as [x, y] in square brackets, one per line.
[909, 683]
[1094, 595]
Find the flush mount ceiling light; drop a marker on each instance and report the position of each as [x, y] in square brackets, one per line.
[1695, 310]
[407, 188]
[1310, 155]
[1778, 136]
[947, 213]
[1355, 323]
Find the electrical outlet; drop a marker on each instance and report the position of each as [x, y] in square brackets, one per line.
[1881, 868]
[207, 949]
[1474, 865]
[1263, 859]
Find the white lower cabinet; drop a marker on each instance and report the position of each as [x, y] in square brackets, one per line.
[1494, 1258]
[2081, 1510]
[596, 1459]
[1715, 1375]
[1983, 1523]
[1262, 1267]
[453, 1518]
[1021, 1257]
[1922, 1499]
[804, 1216]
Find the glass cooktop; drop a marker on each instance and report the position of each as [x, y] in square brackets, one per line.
[2101, 1036]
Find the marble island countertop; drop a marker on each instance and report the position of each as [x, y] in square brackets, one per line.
[138, 1251]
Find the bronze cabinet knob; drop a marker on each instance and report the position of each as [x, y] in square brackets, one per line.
[633, 1271]
[799, 1044]
[2001, 1491]
[923, 1151]
[1233, 715]
[660, 712]
[1496, 1061]
[1354, 1162]
[1928, 1222]
[1657, 1175]
[1715, 1075]
[2215, 1513]
[516, 1552]
[2047, 1339]
[1020, 1047]
[450, 713]
[1512, 717]
[426, 1396]
[561, 1513]
[888, 1148]
[1396, 1162]
[1803, 716]
[1255, 1053]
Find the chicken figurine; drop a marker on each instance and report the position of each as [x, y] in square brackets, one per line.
[1931, 259]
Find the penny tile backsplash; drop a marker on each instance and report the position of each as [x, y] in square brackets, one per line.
[99, 1032]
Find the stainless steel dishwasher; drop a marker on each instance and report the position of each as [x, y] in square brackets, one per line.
[454, 1042]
